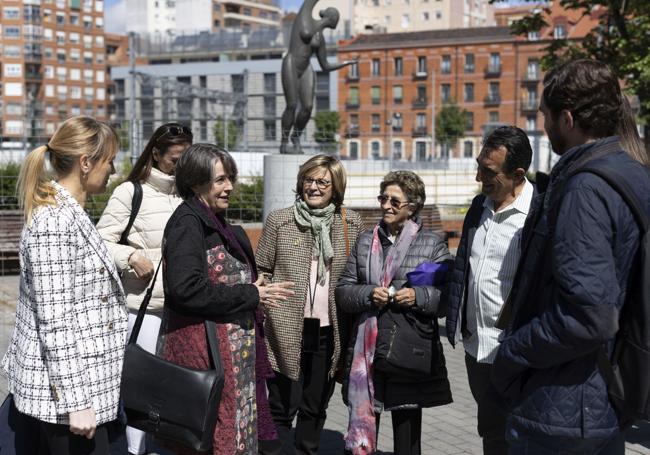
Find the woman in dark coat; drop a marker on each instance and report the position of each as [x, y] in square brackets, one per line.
[375, 286]
[210, 273]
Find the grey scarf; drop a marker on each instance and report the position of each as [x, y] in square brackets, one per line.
[320, 223]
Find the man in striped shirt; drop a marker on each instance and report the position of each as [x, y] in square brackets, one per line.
[485, 266]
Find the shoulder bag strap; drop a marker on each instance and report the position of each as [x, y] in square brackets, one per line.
[143, 308]
[135, 208]
[345, 231]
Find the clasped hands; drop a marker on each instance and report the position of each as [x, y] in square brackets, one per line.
[271, 294]
[405, 297]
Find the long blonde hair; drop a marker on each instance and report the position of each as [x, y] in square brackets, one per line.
[75, 137]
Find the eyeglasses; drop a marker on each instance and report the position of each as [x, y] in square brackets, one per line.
[320, 183]
[395, 203]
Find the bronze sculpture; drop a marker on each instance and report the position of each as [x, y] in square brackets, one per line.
[298, 78]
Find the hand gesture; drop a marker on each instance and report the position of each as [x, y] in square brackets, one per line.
[405, 297]
[83, 423]
[141, 265]
[272, 293]
[379, 297]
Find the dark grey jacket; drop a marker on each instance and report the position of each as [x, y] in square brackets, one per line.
[353, 289]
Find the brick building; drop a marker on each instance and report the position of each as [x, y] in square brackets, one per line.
[53, 67]
[402, 80]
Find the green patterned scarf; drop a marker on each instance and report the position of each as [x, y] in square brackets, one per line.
[320, 222]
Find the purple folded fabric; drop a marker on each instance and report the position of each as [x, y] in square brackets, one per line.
[428, 274]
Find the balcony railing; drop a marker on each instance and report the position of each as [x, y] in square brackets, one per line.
[352, 104]
[420, 102]
[420, 75]
[493, 70]
[352, 131]
[352, 77]
[492, 99]
[529, 105]
[532, 76]
[420, 131]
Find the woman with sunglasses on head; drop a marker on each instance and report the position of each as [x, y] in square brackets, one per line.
[137, 254]
[306, 244]
[64, 361]
[392, 307]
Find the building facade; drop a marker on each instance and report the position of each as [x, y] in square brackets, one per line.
[53, 67]
[392, 16]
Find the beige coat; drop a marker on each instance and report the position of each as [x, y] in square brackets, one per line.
[159, 200]
[285, 252]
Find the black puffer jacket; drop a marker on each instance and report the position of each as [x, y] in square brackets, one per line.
[353, 296]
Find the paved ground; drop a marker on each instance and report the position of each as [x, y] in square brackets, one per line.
[446, 430]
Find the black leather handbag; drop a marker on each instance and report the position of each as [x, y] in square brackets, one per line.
[169, 401]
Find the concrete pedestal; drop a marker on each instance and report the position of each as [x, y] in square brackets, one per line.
[280, 174]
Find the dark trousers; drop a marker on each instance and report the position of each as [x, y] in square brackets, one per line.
[58, 440]
[306, 398]
[491, 418]
[407, 431]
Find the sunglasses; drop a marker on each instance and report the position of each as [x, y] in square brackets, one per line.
[175, 131]
[320, 183]
[395, 203]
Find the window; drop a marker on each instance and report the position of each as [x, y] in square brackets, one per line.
[100, 76]
[75, 74]
[75, 93]
[375, 149]
[269, 82]
[12, 51]
[88, 76]
[354, 121]
[445, 93]
[88, 58]
[75, 110]
[74, 19]
[532, 71]
[399, 66]
[469, 93]
[353, 150]
[493, 117]
[14, 126]
[425, 16]
[49, 71]
[375, 120]
[469, 63]
[421, 121]
[75, 55]
[49, 90]
[60, 19]
[237, 83]
[270, 130]
[421, 96]
[11, 12]
[353, 71]
[438, 14]
[353, 99]
[12, 32]
[99, 41]
[445, 66]
[398, 94]
[493, 92]
[422, 65]
[375, 94]
[398, 122]
[559, 32]
[406, 21]
[376, 69]
[468, 149]
[495, 63]
[397, 150]
[14, 109]
[74, 38]
[421, 151]
[533, 35]
[469, 121]
[13, 70]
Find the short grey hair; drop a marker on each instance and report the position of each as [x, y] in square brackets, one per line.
[412, 186]
[196, 167]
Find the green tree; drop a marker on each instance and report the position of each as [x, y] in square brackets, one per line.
[226, 134]
[327, 125]
[621, 40]
[450, 125]
[247, 201]
[8, 179]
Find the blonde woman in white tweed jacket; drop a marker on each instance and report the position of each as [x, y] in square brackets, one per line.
[64, 361]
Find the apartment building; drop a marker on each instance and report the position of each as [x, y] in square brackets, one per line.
[53, 66]
[392, 16]
[403, 80]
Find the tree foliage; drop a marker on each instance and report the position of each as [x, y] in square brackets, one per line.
[450, 125]
[226, 133]
[621, 40]
[247, 201]
[327, 125]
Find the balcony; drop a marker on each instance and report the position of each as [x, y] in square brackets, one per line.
[420, 103]
[33, 76]
[352, 131]
[351, 78]
[493, 99]
[420, 131]
[352, 104]
[375, 128]
[529, 105]
[493, 70]
[532, 76]
[420, 75]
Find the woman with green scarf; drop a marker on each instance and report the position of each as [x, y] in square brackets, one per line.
[308, 244]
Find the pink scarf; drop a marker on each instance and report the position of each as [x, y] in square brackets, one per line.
[361, 437]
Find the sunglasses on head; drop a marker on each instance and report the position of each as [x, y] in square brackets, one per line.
[395, 203]
[175, 131]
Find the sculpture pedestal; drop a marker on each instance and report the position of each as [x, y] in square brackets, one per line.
[280, 174]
